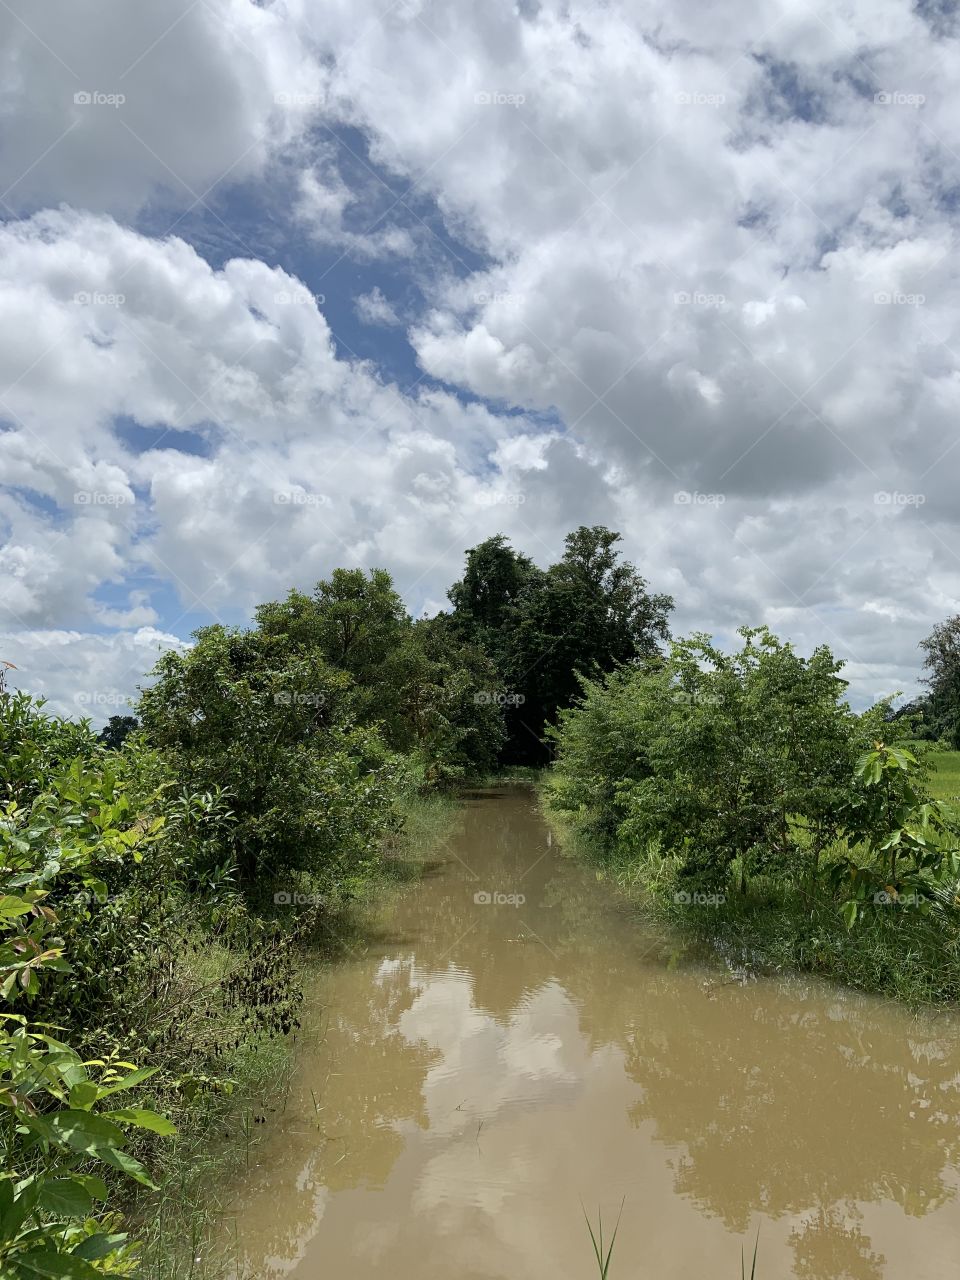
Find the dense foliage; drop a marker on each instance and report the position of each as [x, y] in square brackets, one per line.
[67, 823]
[544, 629]
[705, 773]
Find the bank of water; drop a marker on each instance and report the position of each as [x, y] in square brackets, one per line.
[507, 1042]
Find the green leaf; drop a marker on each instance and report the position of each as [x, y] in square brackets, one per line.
[849, 912]
[50, 1262]
[126, 1164]
[144, 1120]
[65, 1197]
[128, 1082]
[99, 1245]
[96, 1186]
[14, 1209]
[85, 1132]
[84, 1094]
[11, 908]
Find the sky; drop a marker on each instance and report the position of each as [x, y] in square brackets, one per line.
[296, 285]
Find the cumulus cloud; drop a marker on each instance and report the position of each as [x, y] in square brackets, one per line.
[105, 104]
[680, 275]
[308, 460]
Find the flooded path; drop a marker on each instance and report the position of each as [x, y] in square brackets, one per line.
[487, 1063]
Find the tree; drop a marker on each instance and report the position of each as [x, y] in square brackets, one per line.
[117, 730]
[423, 685]
[545, 630]
[713, 757]
[486, 596]
[942, 649]
[272, 726]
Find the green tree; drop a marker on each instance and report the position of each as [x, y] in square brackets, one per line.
[942, 661]
[273, 727]
[545, 630]
[116, 731]
[429, 690]
[747, 756]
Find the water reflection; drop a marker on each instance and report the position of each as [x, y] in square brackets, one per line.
[483, 1067]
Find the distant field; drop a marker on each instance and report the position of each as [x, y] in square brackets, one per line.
[945, 775]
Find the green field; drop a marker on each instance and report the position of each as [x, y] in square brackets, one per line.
[945, 775]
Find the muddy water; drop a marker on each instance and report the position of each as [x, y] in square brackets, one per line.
[481, 1067]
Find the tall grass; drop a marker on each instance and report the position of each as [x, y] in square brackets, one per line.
[604, 1256]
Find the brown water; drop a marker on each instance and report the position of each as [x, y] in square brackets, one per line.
[479, 1069]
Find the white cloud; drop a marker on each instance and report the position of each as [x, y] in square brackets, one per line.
[82, 674]
[311, 460]
[708, 254]
[374, 308]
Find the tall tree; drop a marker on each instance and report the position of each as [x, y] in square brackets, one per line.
[942, 661]
[485, 598]
[584, 615]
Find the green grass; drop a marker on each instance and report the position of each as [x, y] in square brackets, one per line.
[603, 1255]
[777, 929]
[944, 780]
[181, 1225]
[512, 774]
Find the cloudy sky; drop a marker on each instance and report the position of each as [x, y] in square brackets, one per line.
[304, 283]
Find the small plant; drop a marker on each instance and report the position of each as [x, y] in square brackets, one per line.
[596, 1237]
[743, 1261]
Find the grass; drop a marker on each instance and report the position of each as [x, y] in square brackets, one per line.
[604, 1256]
[944, 780]
[528, 774]
[778, 928]
[215, 1139]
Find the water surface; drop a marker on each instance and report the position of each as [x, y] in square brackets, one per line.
[481, 1066]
